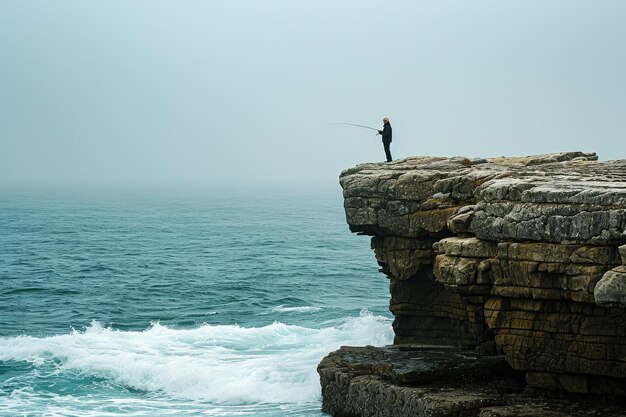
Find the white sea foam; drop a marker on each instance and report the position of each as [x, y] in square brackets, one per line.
[220, 364]
[301, 309]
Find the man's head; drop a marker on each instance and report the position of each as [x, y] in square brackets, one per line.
[385, 121]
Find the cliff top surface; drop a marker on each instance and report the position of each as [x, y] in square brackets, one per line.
[567, 197]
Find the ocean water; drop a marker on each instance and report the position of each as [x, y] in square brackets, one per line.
[194, 303]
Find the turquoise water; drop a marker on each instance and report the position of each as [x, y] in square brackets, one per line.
[178, 303]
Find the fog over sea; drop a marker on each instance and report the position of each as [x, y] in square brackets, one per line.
[186, 303]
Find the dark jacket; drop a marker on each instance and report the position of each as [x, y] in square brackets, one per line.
[386, 133]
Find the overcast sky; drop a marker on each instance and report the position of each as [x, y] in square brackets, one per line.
[241, 92]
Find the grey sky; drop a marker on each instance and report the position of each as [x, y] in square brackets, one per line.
[242, 92]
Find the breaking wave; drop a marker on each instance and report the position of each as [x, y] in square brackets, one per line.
[222, 364]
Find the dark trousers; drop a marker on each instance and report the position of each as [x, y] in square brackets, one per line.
[387, 151]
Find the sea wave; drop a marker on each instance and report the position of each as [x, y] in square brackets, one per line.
[223, 364]
[297, 309]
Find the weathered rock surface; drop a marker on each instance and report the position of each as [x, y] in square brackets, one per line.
[557, 198]
[398, 381]
[611, 289]
[520, 257]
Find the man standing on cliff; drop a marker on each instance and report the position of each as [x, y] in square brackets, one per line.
[386, 134]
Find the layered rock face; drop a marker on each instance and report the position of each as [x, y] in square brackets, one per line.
[523, 257]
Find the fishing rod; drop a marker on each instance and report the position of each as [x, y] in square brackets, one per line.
[353, 124]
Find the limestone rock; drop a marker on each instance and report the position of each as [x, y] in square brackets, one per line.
[399, 381]
[565, 197]
[523, 257]
[611, 290]
[424, 381]
[523, 270]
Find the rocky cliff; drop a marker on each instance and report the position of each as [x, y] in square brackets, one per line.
[520, 261]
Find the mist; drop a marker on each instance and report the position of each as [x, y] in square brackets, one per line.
[243, 93]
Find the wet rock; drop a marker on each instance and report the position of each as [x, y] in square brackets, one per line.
[398, 381]
[412, 381]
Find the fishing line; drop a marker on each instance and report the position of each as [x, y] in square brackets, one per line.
[353, 124]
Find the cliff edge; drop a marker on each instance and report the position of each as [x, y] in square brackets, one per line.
[516, 264]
